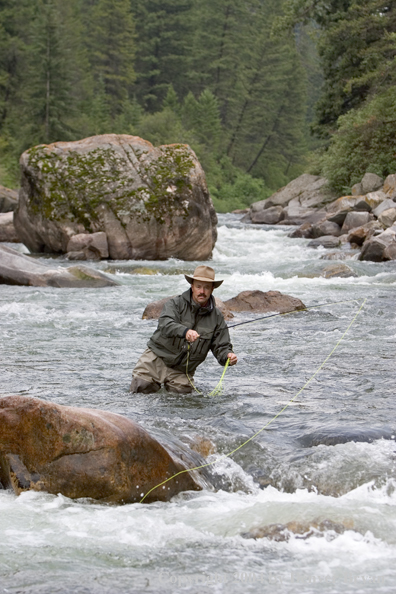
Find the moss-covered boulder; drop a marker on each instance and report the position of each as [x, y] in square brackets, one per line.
[152, 202]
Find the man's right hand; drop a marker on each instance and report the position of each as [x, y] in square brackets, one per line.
[192, 336]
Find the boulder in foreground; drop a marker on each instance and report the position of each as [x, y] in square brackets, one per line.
[18, 269]
[151, 202]
[81, 452]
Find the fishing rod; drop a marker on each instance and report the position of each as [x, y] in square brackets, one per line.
[285, 313]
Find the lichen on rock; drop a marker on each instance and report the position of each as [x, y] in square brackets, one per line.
[152, 202]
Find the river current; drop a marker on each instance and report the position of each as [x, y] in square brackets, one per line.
[327, 462]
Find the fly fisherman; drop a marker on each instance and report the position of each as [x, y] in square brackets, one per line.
[189, 326]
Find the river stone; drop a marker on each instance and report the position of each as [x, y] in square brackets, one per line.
[338, 210]
[359, 235]
[388, 217]
[8, 199]
[305, 230]
[7, 229]
[18, 269]
[353, 220]
[152, 202]
[326, 241]
[339, 256]
[304, 530]
[357, 189]
[334, 436]
[89, 242]
[385, 205]
[82, 452]
[374, 247]
[153, 310]
[325, 228]
[371, 182]
[374, 199]
[390, 186]
[339, 270]
[263, 302]
[268, 216]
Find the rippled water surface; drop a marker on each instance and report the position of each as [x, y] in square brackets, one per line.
[325, 467]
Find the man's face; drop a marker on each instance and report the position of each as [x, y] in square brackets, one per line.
[201, 291]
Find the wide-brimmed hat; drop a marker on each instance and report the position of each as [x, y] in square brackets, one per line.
[205, 274]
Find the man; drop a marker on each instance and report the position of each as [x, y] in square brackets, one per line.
[189, 326]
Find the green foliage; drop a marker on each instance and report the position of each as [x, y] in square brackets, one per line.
[365, 142]
[238, 195]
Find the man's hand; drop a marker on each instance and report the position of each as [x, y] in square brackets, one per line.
[233, 358]
[192, 336]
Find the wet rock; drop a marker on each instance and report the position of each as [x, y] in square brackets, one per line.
[263, 302]
[81, 452]
[339, 256]
[334, 436]
[326, 228]
[8, 199]
[381, 247]
[303, 530]
[371, 182]
[153, 310]
[306, 231]
[339, 270]
[18, 269]
[7, 229]
[359, 235]
[93, 245]
[268, 216]
[385, 205]
[152, 202]
[353, 220]
[326, 241]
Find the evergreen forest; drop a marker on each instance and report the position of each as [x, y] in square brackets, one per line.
[262, 90]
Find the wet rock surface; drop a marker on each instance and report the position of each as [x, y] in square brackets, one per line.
[81, 452]
[263, 302]
[18, 269]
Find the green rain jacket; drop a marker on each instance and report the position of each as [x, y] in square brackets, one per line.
[181, 314]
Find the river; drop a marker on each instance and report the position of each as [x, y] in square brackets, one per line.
[327, 461]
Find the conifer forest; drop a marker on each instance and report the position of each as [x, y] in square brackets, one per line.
[262, 90]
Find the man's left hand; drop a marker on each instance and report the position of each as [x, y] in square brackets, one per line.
[233, 358]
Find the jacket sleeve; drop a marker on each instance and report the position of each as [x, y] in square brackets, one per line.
[169, 322]
[221, 344]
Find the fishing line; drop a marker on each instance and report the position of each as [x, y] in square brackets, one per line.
[271, 420]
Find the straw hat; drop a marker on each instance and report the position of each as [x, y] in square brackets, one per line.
[205, 274]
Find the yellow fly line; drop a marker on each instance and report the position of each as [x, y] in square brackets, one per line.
[276, 416]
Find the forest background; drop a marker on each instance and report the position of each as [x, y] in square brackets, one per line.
[262, 90]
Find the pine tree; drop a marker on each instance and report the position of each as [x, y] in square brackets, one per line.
[164, 32]
[111, 41]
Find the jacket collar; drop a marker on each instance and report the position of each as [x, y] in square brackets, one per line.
[187, 295]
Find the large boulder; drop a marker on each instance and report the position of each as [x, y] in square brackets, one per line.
[263, 302]
[8, 199]
[338, 210]
[81, 452]
[153, 310]
[152, 202]
[371, 182]
[7, 228]
[354, 220]
[268, 216]
[18, 269]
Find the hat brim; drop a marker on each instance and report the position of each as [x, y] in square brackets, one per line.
[191, 279]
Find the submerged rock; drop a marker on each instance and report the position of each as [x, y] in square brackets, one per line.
[81, 452]
[18, 269]
[263, 302]
[302, 530]
[334, 436]
[151, 202]
[326, 241]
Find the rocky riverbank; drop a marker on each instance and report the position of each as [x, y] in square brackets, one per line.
[364, 220]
